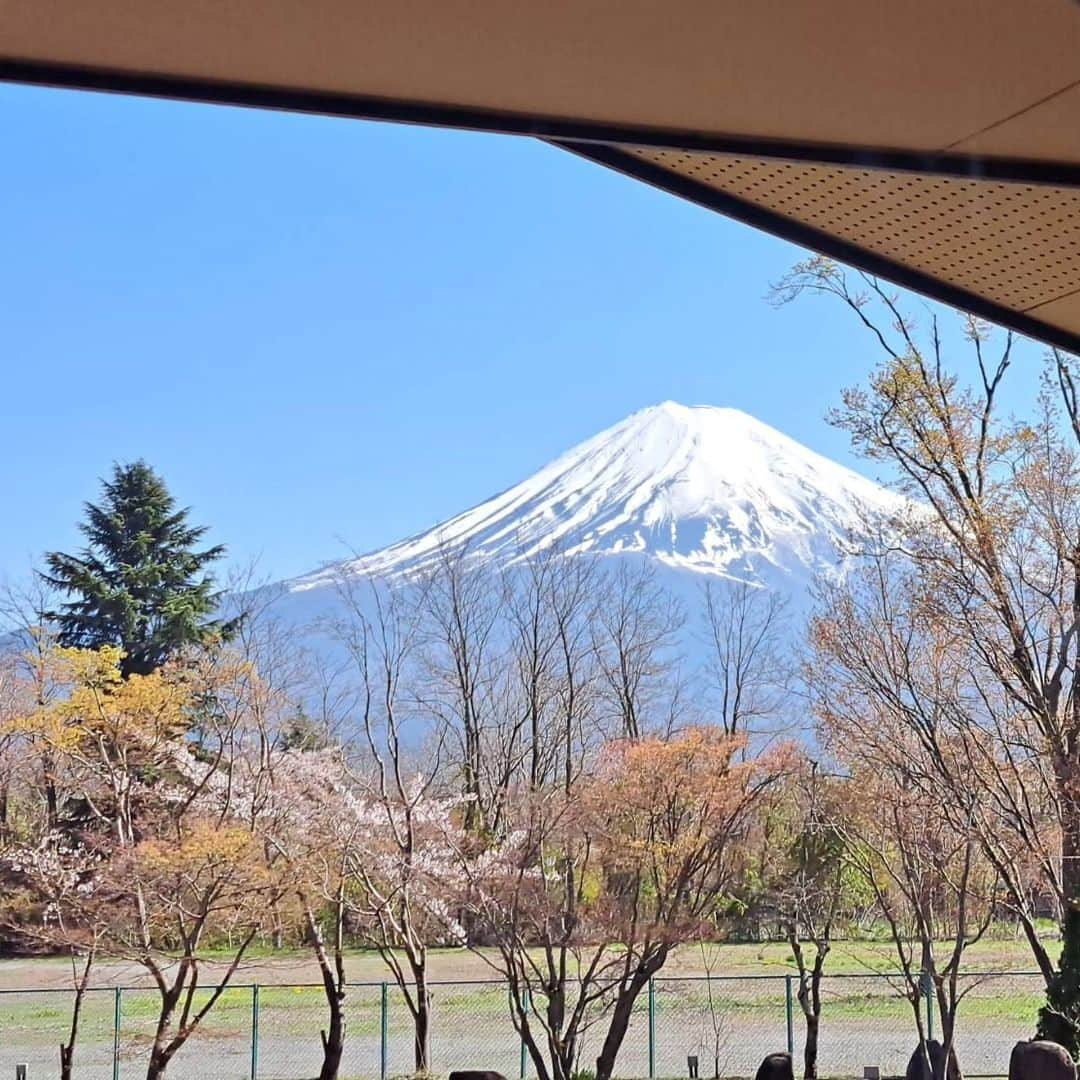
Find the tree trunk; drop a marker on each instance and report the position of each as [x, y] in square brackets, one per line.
[810, 1000]
[616, 1033]
[158, 1063]
[810, 1047]
[471, 777]
[163, 1047]
[333, 1040]
[562, 1060]
[278, 928]
[67, 1060]
[422, 1031]
[620, 1018]
[950, 1063]
[333, 979]
[52, 809]
[160, 1054]
[524, 1028]
[1031, 932]
[536, 1055]
[67, 1050]
[809, 992]
[167, 1040]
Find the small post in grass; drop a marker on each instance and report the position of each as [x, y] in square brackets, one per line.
[384, 1036]
[255, 1032]
[652, 1029]
[789, 1005]
[523, 1065]
[117, 998]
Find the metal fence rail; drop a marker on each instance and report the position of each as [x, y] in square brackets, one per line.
[271, 1032]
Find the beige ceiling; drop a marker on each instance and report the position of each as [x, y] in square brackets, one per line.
[858, 96]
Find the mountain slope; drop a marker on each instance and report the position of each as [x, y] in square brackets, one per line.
[700, 489]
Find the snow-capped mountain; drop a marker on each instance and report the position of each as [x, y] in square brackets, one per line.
[701, 490]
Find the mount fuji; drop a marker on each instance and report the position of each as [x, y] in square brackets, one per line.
[700, 491]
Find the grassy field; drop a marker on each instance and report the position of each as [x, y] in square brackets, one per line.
[450, 965]
[865, 1020]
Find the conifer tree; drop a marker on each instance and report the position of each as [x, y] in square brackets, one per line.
[141, 582]
[1059, 1017]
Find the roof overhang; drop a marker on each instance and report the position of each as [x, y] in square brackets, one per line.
[937, 145]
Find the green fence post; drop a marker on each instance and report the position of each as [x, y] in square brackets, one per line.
[523, 1064]
[789, 1009]
[116, 1034]
[255, 1031]
[384, 1036]
[652, 1029]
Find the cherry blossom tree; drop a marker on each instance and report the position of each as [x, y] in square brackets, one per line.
[311, 825]
[52, 902]
[179, 864]
[396, 819]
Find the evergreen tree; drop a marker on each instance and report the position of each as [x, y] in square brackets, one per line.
[1059, 1018]
[140, 583]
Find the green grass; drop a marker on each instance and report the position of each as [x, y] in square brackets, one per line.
[294, 1011]
[37, 1017]
[264, 966]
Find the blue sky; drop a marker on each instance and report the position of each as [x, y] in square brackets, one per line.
[325, 332]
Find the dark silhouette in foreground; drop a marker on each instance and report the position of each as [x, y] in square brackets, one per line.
[1040, 1059]
[931, 1064]
[476, 1074]
[775, 1067]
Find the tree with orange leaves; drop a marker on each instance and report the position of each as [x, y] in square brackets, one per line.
[672, 817]
[593, 887]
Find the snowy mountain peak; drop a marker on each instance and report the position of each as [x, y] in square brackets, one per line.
[698, 488]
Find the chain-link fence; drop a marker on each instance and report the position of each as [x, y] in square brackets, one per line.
[726, 1022]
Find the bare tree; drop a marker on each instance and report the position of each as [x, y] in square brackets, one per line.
[636, 637]
[393, 862]
[31, 643]
[810, 885]
[533, 649]
[748, 639]
[462, 606]
[889, 676]
[573, 600]
[931, 885]
[995, 548]
[717, 1030]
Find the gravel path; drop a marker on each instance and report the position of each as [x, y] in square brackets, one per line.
[847, 1045]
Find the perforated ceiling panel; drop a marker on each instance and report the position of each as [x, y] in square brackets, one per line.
[1016, 244]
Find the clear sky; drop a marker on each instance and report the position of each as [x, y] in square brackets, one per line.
[325, 332]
